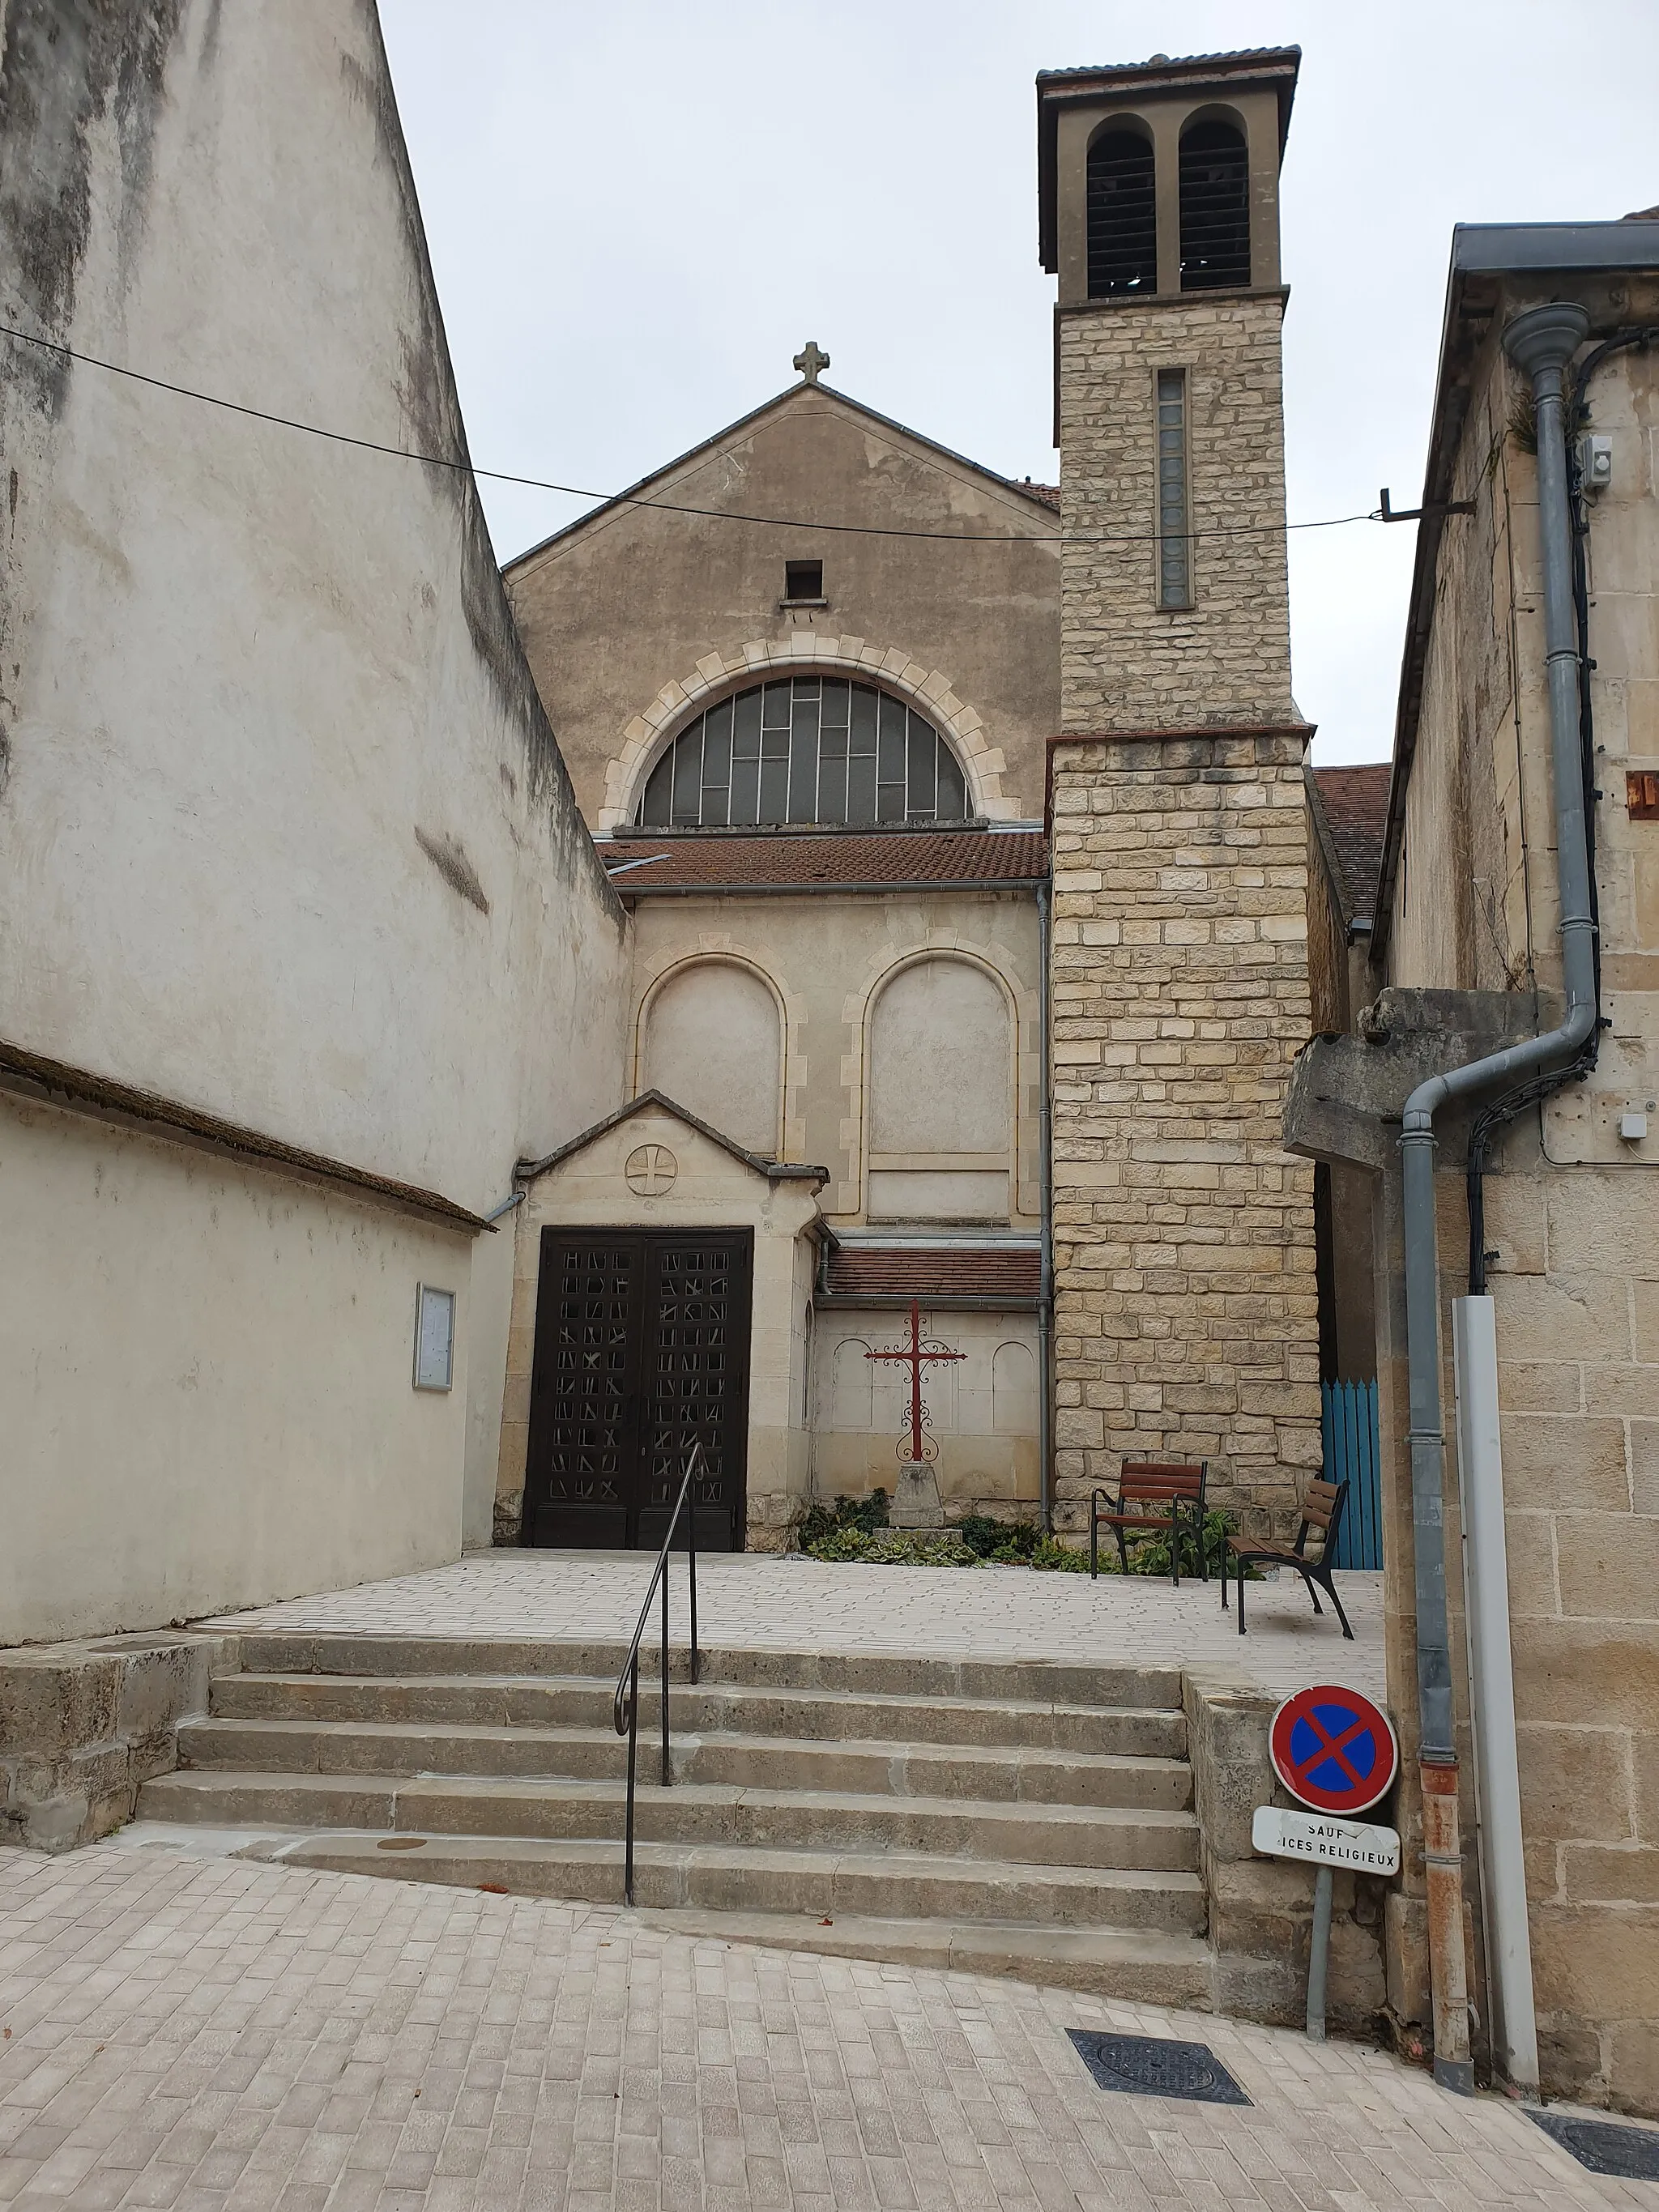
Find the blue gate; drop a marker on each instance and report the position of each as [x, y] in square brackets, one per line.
[1352, 1455]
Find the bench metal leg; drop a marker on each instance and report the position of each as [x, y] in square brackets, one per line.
[1330, 1592]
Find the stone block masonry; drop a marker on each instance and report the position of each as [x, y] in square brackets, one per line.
[1186, 1312]
[1127, 663]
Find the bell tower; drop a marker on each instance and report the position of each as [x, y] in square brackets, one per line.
[1186, 1320]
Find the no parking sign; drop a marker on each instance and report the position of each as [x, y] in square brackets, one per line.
[1334, 1749]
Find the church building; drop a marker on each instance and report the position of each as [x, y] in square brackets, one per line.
[961, 824]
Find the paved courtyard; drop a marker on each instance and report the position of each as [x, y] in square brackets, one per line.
[758, 1601]
[217, 2036]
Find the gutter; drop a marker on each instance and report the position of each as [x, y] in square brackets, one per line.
[1046, 1294]
[630, 891]
[1542, 342]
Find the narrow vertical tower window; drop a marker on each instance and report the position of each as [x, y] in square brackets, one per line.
[1175, 580]
[1121, 215]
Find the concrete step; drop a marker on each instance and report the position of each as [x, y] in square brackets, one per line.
[1101, 1838]
[1014, 1910]
[990, 1775]
[830, 1716]
[902, 1675]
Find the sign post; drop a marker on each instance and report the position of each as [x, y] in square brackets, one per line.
[1336, 1751]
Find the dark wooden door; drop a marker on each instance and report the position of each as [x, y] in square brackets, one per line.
[642, 1349]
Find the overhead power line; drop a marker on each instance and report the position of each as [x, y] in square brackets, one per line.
[466, 468]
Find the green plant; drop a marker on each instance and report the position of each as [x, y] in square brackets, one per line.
[1054, 1557]
[817, 1523]
[1010, 1542]
[1150, 1556]
[839, 1543]
[919, 1547]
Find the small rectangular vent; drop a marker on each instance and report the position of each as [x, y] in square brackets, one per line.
[1151, 2066]
[803, 580]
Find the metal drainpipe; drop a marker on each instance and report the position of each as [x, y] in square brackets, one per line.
[1046, 1185]
[1540, 343]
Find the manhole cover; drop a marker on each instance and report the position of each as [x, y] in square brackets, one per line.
[1630, 2153]
[1148, 2066]
[401, 1843]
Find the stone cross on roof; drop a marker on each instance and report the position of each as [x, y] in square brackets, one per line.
[810, 363]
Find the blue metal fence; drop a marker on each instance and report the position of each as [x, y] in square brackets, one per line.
[1352, 1455]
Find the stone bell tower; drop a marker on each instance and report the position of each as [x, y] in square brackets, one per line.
[1186, 1316]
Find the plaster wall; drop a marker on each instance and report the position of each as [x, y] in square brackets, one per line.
[984, 1412]
[285, 834]
[1572, 1213]
[208, 1378]
[711, 1188]
[626, 615]
[829, 961]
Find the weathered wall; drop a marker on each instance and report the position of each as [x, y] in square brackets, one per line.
[1572, 1213]
[1127, 663]
[207, 1373]
[1186, 1312]
[829, 961]
[625, 615]
[590, 1188]
[983, 1414]
[285, 834]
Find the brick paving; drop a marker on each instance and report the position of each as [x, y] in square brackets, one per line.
[758, 1601]
[225, 2037]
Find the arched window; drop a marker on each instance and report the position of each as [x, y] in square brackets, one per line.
[1215, 208]
[941, 1065]
[1122, 216]
[809, 749]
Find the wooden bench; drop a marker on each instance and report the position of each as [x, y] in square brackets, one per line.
[1143, 1484]
[1321, 1516]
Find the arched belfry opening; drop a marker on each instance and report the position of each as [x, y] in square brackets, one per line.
[1215, 208]
[1123, 215]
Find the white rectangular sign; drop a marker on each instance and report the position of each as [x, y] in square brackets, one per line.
[1324, 1840]
[434, 1338]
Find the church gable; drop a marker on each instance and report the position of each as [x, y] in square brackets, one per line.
[640, 614]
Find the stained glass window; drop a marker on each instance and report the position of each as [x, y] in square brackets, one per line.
[808, 749]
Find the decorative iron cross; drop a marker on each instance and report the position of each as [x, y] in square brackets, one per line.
[916, 1355]
[810, 363]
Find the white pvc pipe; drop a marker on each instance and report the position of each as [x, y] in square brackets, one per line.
[1492, 1694]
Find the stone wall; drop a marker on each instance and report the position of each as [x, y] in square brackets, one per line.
[1127, 663]
[84, 1726]
[1186, 1312]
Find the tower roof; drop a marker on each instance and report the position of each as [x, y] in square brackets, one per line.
[1256, 67]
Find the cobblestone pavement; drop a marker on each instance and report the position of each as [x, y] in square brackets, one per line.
[224, 2037]
[760, 1601]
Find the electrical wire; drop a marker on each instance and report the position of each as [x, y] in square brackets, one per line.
[630, 499]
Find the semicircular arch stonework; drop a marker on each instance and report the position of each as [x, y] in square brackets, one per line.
[802, 654]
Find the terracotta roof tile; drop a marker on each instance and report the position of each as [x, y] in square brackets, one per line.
[932, 1272]
[1356, 803]
[643, 864]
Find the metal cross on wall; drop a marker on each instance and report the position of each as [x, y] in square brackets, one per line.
[918, 1353]
[810, 363]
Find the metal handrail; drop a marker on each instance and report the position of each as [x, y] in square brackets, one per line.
[625, 1706]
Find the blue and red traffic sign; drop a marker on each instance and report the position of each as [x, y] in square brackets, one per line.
[1334, 1749]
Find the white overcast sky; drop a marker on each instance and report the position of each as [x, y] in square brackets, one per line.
[639, 211]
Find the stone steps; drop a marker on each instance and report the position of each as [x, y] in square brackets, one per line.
[1093, 1837]
[800, 1886]
[1018, 1817]
[837, 1716]
[988, 1775]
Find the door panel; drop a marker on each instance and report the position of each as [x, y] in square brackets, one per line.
[642, 1349]
[584, 1391]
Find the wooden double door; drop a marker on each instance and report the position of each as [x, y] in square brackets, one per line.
[641, 1351]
